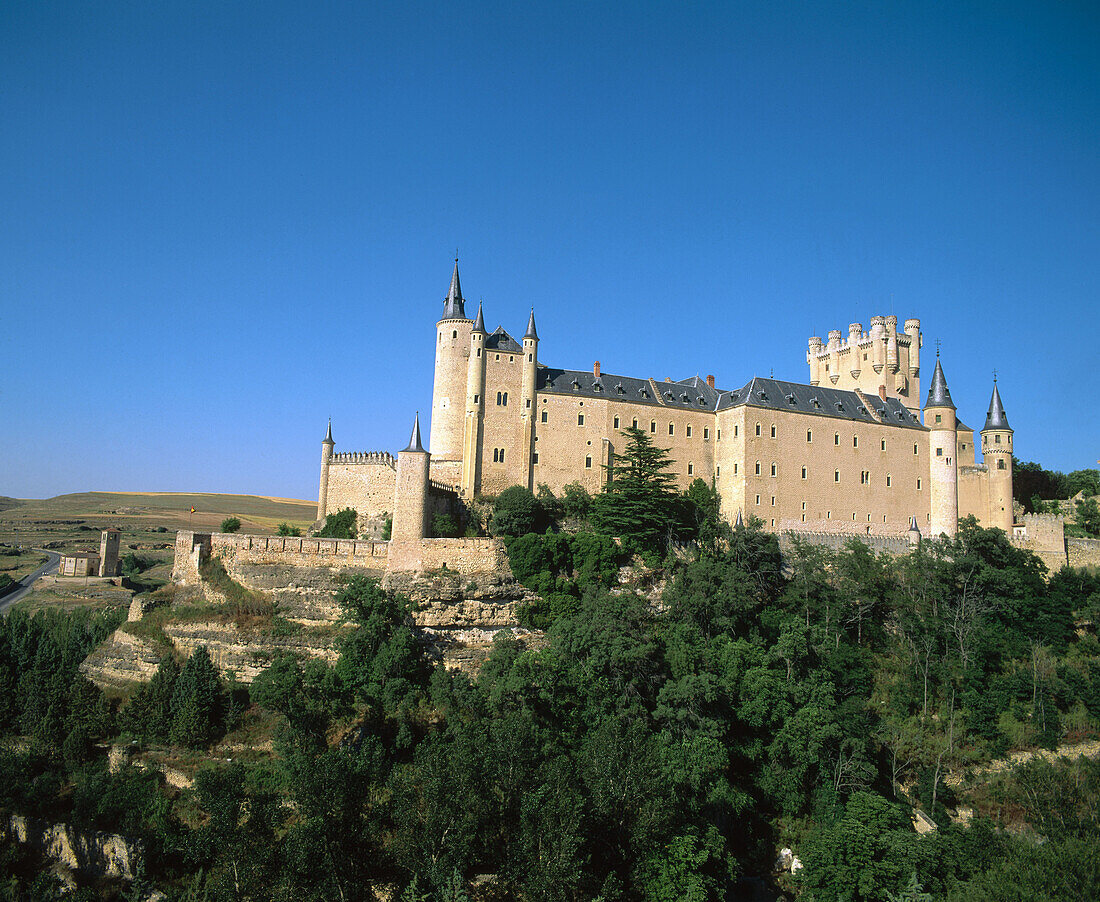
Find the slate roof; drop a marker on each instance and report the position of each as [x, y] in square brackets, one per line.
[414, 439]
[500, 340]
[938, 395]
[452, 304]
[695, 394]
[996, 418]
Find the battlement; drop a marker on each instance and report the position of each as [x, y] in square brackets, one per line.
[890, 544]
[373, 458]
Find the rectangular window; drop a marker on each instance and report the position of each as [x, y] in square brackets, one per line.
[688, 431]
[736, 431]
[634, 423]
[671, 429]
[865, 477]
[836, 475]
[616, 422]
[757, 499]
[757, 428]
[809, 435]
[706, 433]
[735, 469]
[773, 500]
[580, 419]
[773, 469]
[588, 462]
[543, 416]
[773, 430]
[855, 441]
[477, 398]
[939, 452]
[691, 469]
[918, 485]
[828, 515]
[888, 480]
[758, 468]
[884, 444]
[939, 418]
[836, 438]
[803, 472]
[653, 426]
[534, 457]
[803, 505]
[915, 449]
[527, 403]
[996, 439]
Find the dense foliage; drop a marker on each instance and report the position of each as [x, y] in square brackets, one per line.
[1032, 484]
[340, 525]
[643, 751]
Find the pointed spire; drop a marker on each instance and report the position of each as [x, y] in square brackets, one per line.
[479, 323]
[452, 305]
[531, 333]
[740, 520]
[995, 418]
[328, 435]
[938, 395]
[414, 440]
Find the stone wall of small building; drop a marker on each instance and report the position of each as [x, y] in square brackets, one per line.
[364, 481]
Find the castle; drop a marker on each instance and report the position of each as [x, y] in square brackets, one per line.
[850, 451]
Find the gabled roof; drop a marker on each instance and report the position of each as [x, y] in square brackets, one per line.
[816, 400]
[500, 340]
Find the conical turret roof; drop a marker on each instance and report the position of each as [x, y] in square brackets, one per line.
[995, 418]
[328, 435]
[452, 305]
[479, 323]
[531, 333]
[414, 439]
[938, 395]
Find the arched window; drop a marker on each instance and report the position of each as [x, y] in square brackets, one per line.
[758, 468]
[454, 333]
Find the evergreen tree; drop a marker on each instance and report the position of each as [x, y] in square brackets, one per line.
[196, 702]
[638, 503]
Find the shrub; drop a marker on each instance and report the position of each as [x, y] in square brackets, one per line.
[340, 525]
[575, 501]
[444, 526]
[231, 524]
[516, 513]
[285, 529]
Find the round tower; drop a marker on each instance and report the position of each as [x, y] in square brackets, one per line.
[452, 348]
[475, 408]
[997, 455]
[327, 445]
[410, 500]
[943, 468]
[813, 358]
[527, 394]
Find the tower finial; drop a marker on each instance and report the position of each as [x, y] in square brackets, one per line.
[414, 440]
[531, 333]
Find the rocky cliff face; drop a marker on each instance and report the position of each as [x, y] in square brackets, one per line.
[460, 614]
[88, 853]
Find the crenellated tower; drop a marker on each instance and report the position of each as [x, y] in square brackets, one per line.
[475, 409]
[881, 361]
[997, 456]
[452, 349]
[527, 398]
[943, 467]
[327, 444]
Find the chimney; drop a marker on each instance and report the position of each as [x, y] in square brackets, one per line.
[596, 369]
[710, 380]
[882, 392]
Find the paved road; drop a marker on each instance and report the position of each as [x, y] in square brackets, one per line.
[25, 584]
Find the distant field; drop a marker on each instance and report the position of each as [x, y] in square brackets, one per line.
[72, 522]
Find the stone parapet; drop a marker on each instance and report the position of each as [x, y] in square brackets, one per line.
[890, 544]
[484, 555]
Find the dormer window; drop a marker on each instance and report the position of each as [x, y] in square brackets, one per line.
[790, 398]
[619, 388]
[816, 403]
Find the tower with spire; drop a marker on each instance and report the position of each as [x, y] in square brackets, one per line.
[327, 444]
[528, 409]
[997, 455]
[410, 503]
[475, 409]
[943, 467]
[452, 349]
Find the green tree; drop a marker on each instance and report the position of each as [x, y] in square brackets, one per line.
[1088, 516]
[340, 525]
[575, 501]
[197, 702]
[516, 513]
[231, 524]
[444, 526]
[285, 529]
[638, 503]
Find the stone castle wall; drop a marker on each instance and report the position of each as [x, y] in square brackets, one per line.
[363, 481]
[483, 555]
[1083, 552]
[895, 544]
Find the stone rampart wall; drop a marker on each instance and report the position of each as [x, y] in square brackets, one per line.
[365, 482]
[299, 552]
[1083, 552]
[457, 555]
[897, 545]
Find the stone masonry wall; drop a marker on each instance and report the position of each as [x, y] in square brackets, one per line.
[1083, 552]
[363, 482]
[895, 545]
[458, 555]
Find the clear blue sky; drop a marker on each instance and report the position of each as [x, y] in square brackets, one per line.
[222, 223]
